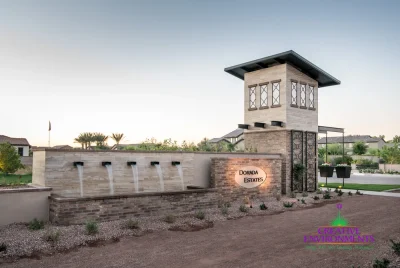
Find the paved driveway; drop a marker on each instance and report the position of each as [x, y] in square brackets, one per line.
[263, 241]
[366, 179]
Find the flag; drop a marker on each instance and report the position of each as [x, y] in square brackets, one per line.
[49, 126]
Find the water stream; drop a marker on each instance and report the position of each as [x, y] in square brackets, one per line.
[135, 174]
[180, 172]
[160, 175]
[110, 178]
[80, 173]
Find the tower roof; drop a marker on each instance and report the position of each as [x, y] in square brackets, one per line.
[290, 57]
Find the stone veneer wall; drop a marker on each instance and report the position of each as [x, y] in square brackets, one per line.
[66, 211]
[273, 141]
[223, 178]
[54, 168]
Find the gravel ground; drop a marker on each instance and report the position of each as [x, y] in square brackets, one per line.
[226, 240]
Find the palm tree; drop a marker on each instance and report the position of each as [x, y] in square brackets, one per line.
[81, 140]
[117, 137]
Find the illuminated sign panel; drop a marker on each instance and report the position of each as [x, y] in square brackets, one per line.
[250, 176]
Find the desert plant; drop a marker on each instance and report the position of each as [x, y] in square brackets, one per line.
[316, 197]
[340, 193]
[381, 263]
[227, 204]
[327, 195]
[224, 210]
[304, 194]
[170, 219]
[52, 236]
[35, 224]
[263, 206]
[200, 215]
[243, 208]
[336, 190]
[132, 224]
[319, 191]
[303, 201]
[3, 247]
[278, 196]
[293, 195]
[92, 227]
[358, 193]
[350, 193]
[395, 247]
[288, 204]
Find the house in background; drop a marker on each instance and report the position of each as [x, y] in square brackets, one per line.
[235, 137]
[372, 142]
[21, 144]
[63, 147]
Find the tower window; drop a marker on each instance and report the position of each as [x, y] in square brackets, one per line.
[275, 93]
[264, 95]
[252, 97]
[294, 94]
[311, 104]
[302, 95]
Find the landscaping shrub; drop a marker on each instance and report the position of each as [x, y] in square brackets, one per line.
[304, 194]
[381, 263]
[327, 195]
[288, 204]
[243, 208]
[316, 197]
[366, 164]
[3, 247]
[263, 206]
[224, 210]
[346, 160]
[92, 227]
[132, 224]
[200, 215]
[52, 236]
[170, 219]
[35, 224]
[395, 247]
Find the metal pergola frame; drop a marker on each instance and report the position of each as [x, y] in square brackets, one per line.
[325, 130]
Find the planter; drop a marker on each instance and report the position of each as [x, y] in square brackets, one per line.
[343, 172]
[326, 171]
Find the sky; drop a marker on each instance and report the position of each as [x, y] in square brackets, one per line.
[156, 68]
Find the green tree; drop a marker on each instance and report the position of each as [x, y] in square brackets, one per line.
[391, 154]
[10, 161]
[360, 148]
[117, 137]
[396, 139]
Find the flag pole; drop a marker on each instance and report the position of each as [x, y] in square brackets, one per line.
[49, 132]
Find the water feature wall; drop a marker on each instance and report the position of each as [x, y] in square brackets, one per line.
[54, 168]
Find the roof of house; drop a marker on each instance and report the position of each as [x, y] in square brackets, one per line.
[350, 139]
[62, 147]
[234, 134]
[14, 141]
[324, 79]
[216, 140]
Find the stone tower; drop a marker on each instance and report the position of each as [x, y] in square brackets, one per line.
[281, 112]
